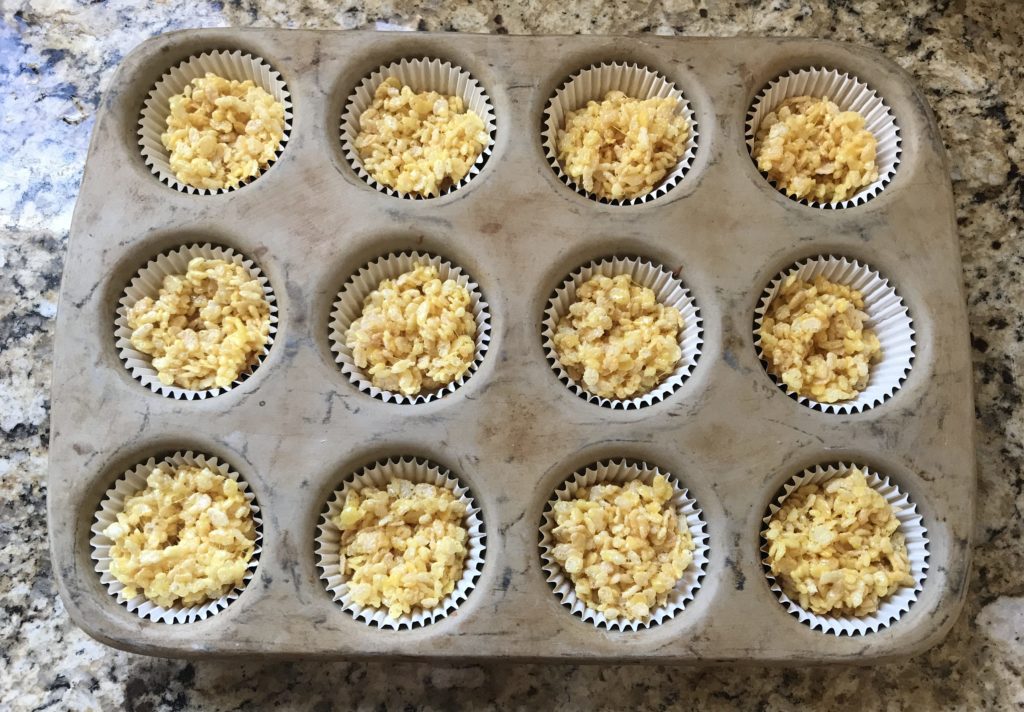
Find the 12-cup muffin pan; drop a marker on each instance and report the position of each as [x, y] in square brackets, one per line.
[299, 427]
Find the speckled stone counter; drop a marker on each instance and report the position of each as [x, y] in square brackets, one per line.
[56, 57]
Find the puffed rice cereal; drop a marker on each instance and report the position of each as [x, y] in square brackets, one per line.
[623, 546]
[622, 147]
[205, 327]
[418, 142]
[836, 548]
[185, 539]
[402, 547]
[617, 341]
[221, 132]
[416, 332]
[812, 150]
[815, 340]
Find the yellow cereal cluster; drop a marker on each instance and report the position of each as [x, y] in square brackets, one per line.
[622, 147]
[416, 333]
[418, 142]
[617, 341]
[402, 547]
[812, 150]
[835, 548]
[205, 327]
[221, 132]
[622, 546]
[185, 539]
[814, 339]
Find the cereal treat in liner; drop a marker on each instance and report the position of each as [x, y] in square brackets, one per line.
[205, 328]
[184, 540]
[416, 332]
[812, 150]
[617, 341]
[623, 546]
[621, 147]
[221, 132]
[836, 549]
[403, 547]
[418, 142]
[815, 339]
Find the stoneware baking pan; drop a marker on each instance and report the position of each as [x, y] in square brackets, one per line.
[514, 431]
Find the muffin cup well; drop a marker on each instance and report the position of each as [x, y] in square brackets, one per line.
[888, 317]
[893, 607]
[592, 84]
[378, 475]
[422, 74]
[147, 283]
[349, 306]
[129, 484]
[850, 94]
[668, 290]
[620, 472]
[235, 65]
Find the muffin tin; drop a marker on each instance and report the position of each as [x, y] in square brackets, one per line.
[513, 432]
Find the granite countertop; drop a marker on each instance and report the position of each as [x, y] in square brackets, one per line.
[56, 57]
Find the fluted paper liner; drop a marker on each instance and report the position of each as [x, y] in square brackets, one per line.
[668, 290]
[147, 283]
[349, 306]
[895, 605]
[887, 315]
[328, 541]
[849, 94]
[129, 484]
[422, 74]
[620, 472]
[592, 84]
[235, 65]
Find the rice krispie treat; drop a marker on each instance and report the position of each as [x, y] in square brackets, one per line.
[402, 547]
[812, 150]
[815, 339]
[622, 147]
[185, 539]
[418, 142]
[623, 546]
[617, 341]
[221, 132]
[416, 332]
[836, 549]
[205, 328]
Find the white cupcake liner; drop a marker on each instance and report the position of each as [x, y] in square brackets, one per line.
[849, 94]
[421, 74]
[235, 65]
[147, 283]
[592, 84]
[378, 474]
[134, 481]
[916, 536]
[888, 317]
[669, 291]
[349, 306]
[621, 471]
